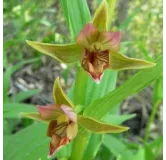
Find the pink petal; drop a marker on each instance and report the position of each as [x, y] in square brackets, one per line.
[69, 112]
[49, 112]
[85, 34]
[52, 125]
[111, 40]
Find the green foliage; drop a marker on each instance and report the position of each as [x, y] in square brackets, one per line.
[77, 15]
[7, 76]
[92, 100]
[101, 107]
[12, 110]
[31, 143]
[146, 26]
[123, 151]
[24, 95]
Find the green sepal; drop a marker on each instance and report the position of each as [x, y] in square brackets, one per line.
[69, 53]
[59, 96]
[33, 115]
[98, 126]
[100, 19]
[122, 62]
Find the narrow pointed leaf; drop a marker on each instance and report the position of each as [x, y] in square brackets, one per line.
[31, 142]
[99, 127]
[99, 108]
[100, 19]
[111, 14]
[33, 115]
[77, 14]
[59, 96]
[118, 147]
[69, 53]
[12, 110]
[121, 62]
[93, 146]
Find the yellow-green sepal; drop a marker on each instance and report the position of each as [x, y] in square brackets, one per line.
[98, 126]
[69, 53]
[59, 96]
[122, 62]
[34, 116]
[100, 20]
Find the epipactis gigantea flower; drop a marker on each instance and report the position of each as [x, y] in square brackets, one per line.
[96, 48]
[61, 119]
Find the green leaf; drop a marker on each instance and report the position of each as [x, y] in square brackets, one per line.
[68, 53]
[156, 145]
[100, 19]
[139, 155]
[22, 63]
[31, 142]
[148, 152]
[21, 96]
[77, 14]
[93, 146]
[111, 10]
[158, 90]
[140, 80]
[99, 127]
[59, 96]
[8, 73]
[12, 110]
[91, 91]
[104, 154]
[122, 62]
[118, 119]
[117, 147]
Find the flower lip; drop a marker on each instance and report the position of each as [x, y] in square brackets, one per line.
[54, 146]
[97, 78]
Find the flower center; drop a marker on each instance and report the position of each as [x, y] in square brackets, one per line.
[95, 61]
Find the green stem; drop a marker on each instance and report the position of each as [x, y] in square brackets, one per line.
[80, 88]
[151, 119]
[79, 145]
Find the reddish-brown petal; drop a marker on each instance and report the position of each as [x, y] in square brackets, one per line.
[49, 112]
[56, 144]
[51, 127]
[95, 63]
[84, 37]
[111, 41]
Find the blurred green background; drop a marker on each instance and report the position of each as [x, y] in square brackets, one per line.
[28, 75]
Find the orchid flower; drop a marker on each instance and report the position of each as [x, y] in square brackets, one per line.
[96, 48]
[63, 121]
